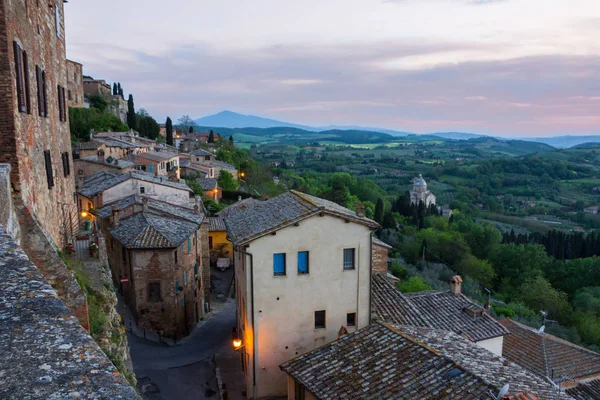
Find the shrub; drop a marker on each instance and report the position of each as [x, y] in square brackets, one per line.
[413, 284]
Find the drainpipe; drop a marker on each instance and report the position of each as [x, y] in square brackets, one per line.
[254, 346]
[370, 273]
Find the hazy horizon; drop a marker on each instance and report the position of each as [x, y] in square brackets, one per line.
[510, 68]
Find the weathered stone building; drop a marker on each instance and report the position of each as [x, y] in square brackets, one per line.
[35, 138]
[85, 167]
[156, 262]
[97, 87]
[75, 84]
[379, 256]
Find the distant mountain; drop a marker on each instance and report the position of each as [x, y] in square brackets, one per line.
[565, 142]
[230, 119]
[458, 135]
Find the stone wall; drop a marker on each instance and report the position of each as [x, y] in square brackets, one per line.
[27, 135]
[44, 351]
[8, 217]
[75, 84]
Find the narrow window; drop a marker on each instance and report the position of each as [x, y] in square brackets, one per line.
[123, 254]
[182, 301]
[189, 245]
[195, 269]
[60, 104]
[19, 77]
[154, 292]
[302, 262]
[49, 174]
[45, 94]
[320, 319]
[351, 319]
[210, 242]
[66, 166]
[175, 256]
[299, 393]
[40, 89]
[27, 86]
[70, 95]
[348, 258]
[142, 189]
[279, 264]
[57, 20]
[184, 278]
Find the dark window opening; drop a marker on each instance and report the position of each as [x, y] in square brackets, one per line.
[45, 93]
[351, 319]
[66, 165]
[210, 242]
[142, 189]
[299, 393]
[27, 86]
[19, 76]
[348, 258]
[176, 257]
[320, 319]
[49, 174]
[154, 292]
[70, 96]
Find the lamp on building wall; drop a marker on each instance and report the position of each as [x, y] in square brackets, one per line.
[237, 344]
[84, 214]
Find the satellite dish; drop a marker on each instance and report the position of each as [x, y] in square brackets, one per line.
[542, 329]
[502, 392]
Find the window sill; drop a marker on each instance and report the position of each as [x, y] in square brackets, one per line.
[320, 329]
[303, 273]
[279, 275]
[349, 269]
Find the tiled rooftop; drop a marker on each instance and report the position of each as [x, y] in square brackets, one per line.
[380, 243]
[208, 183]
[433, 309]
[159, 156]
[91, 188]
[120, 164]
[252, 219]
[380, 362]
[146, 230]
[585, 390]
[216, 224]
[44, 351]
[547, 355]
[156, 206]
[493, 369]
[201, 152]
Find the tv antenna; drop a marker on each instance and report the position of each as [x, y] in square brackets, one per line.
[501, 393]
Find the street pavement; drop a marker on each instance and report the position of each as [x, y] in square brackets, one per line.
[186, 371]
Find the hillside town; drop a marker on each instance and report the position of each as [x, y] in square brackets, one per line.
[124, 259]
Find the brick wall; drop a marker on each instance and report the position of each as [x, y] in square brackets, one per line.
[75, 84]
[25, 136]
[379, 259]
[205, 256]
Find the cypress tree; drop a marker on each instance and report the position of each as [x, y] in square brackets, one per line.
[231, 140]
[379, 212]
[131, 120]
[211, 137]
[119, 88]
[169, 126]
[191, 129]
[388, 221]
[115, 90]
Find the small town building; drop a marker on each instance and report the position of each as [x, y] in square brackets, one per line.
[218, 244]
[302, 270]
[219, 166]
[573, 368]
[448, 310]
[190, 171]
[210, 188]
[89, 166]
[96, 87]
[75, 94]
[201, 156]
[105, 187]
[388, 361]
[420, 193]
[446, 211]
[155, 259]
[380, 256]
[160, 163]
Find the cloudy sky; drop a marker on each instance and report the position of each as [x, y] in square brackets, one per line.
[503, 67]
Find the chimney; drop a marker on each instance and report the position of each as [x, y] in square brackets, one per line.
[239, 198]
[101, 155]
[360, 210]
[456, 285]
[196, 209]
[116, 215]
[145, 204]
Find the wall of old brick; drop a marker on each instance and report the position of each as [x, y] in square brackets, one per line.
[205, 266]
[97, 87]
[26, 136]
[179, 311]
[379, 259]
[75, 84]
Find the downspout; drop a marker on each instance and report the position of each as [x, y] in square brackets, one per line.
[370, 273]
[253, 326]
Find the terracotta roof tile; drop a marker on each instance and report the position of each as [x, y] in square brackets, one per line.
[433, 309]
[547, 355]
[585, 390]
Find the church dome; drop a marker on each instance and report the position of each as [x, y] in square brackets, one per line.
[420, 182]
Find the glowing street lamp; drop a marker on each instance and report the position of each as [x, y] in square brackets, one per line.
[84, 214]
[237, 344]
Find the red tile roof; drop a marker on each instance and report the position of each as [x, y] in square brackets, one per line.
[585, 390]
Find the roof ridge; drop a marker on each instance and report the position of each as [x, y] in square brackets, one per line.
[302, 196]
[155, 229]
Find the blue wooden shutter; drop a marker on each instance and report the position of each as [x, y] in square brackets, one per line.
[189, 244]
[303, 262]
[279, 264]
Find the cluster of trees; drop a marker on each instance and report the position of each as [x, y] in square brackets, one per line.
[146, 125]
[416, 212]
[560, 245]
[97, 117]
[118, 90]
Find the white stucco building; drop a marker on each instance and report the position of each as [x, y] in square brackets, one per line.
[420, 193]
[303, 272]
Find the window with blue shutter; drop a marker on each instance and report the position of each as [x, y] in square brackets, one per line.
[184, 278]
[348, 258]
[182, 301]
[195, 269]
[302, 262]
[279, 264]
[189, 244]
